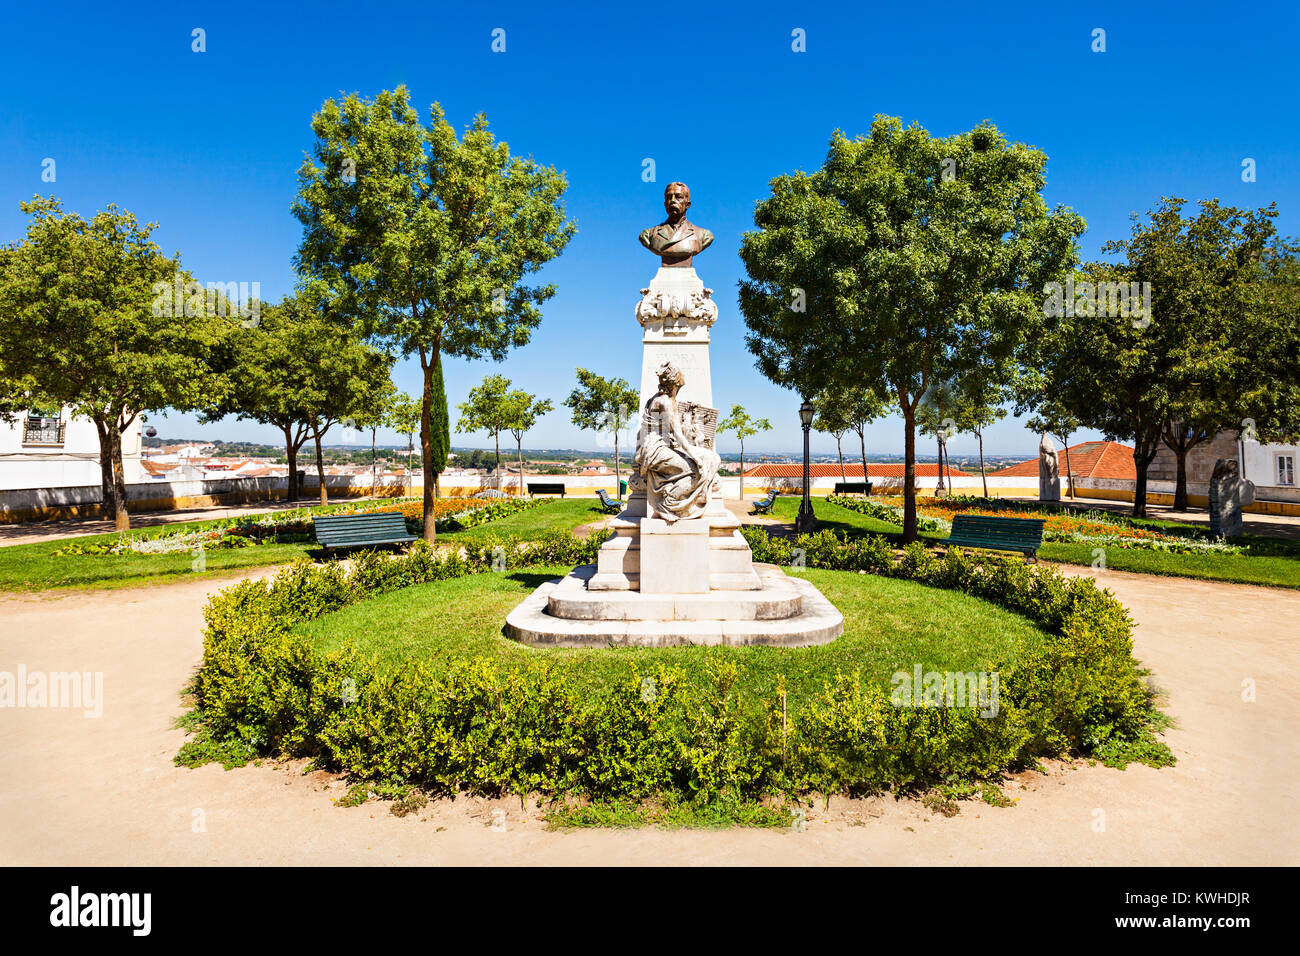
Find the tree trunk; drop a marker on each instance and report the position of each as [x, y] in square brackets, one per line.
[496, 437]
[839, 445]
[1180, 488]
[112, 474]
[426, 448]
[374, 481]
[909, 474]
[618, 484]
[291, 454]
[1140, 489]
[320, 469]
[742, 471]
[519, 446]
[979, 433]
[862, 436]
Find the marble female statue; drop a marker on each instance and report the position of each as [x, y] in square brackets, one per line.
[678, 472]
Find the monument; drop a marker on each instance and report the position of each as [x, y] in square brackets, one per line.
[1229, 492]
[1049, 473]
[677, 570]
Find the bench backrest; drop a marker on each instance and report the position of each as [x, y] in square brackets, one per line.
[1003, 530]
[375, 527]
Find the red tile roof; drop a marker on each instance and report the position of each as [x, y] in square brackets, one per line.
[850, 471]
[1089, 459]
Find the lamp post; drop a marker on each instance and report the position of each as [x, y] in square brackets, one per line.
[806, 520]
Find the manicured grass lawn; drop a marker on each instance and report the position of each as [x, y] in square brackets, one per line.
[1270, 561]
[34, 567]
[890, 625]
[563, 514]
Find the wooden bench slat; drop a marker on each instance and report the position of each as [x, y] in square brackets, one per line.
[997, 534]
[350, 531]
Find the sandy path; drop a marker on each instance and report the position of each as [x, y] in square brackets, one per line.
[104, 791]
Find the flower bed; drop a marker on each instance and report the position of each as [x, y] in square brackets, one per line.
[488, 727]
[450, 514]
[1098, 528]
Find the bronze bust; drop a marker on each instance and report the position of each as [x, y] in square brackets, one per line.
[676, 240]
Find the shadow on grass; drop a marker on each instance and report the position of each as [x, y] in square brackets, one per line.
[530, 579]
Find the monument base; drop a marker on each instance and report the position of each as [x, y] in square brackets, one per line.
[786, 611]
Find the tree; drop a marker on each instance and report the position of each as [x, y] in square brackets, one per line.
[373, 411]
[744, 427]
[488, 409]
[266, 364]
[88, 319]
[903, 260]
[977, 404]
[404, 418]
[604, 405]
[424, 239]
[934, 417]
[860, 407]
[523, 412]
[828, 419]
[1185, 363]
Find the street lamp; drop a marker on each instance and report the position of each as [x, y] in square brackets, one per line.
[806, 520]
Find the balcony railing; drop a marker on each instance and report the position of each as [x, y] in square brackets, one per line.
[43, 431]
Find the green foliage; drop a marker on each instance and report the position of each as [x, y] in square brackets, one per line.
[605, 406]
[677, 738]
[84, 325]
[1196, 364]
[904, 260]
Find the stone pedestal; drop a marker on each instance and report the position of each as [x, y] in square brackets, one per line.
[674, 557]
[659, 582]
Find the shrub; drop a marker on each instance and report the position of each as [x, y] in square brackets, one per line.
[489, 727]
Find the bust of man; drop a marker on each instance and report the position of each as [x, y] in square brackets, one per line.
[676, 240]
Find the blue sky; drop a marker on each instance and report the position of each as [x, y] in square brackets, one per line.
[208, 144]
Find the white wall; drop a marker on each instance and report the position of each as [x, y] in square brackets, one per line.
[74, 463]
[1260, 467]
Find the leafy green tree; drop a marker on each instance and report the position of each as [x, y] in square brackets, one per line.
[83, 325]
[404, 418]
[605, 406]
[1192, 366]
[903, 260]
[830, 420]
[370, 413]
[977, 404]
[266, 364]
[488, 409]
[523, 412]
[424, 239]
[739, 422]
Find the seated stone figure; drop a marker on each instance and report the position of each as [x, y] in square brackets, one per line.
[678, 473]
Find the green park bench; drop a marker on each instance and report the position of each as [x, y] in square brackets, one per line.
[852, 488]
[764, 505]
[997, 534]
[363, 530]
[546, 488]
[608, 504]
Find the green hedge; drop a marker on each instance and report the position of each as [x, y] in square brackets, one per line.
[490, 727]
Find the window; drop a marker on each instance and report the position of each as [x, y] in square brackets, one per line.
[1285, 469]
[42, 428]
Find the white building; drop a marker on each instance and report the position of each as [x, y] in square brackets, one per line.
[42, 448]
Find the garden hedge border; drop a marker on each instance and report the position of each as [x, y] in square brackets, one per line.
[490, 727]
